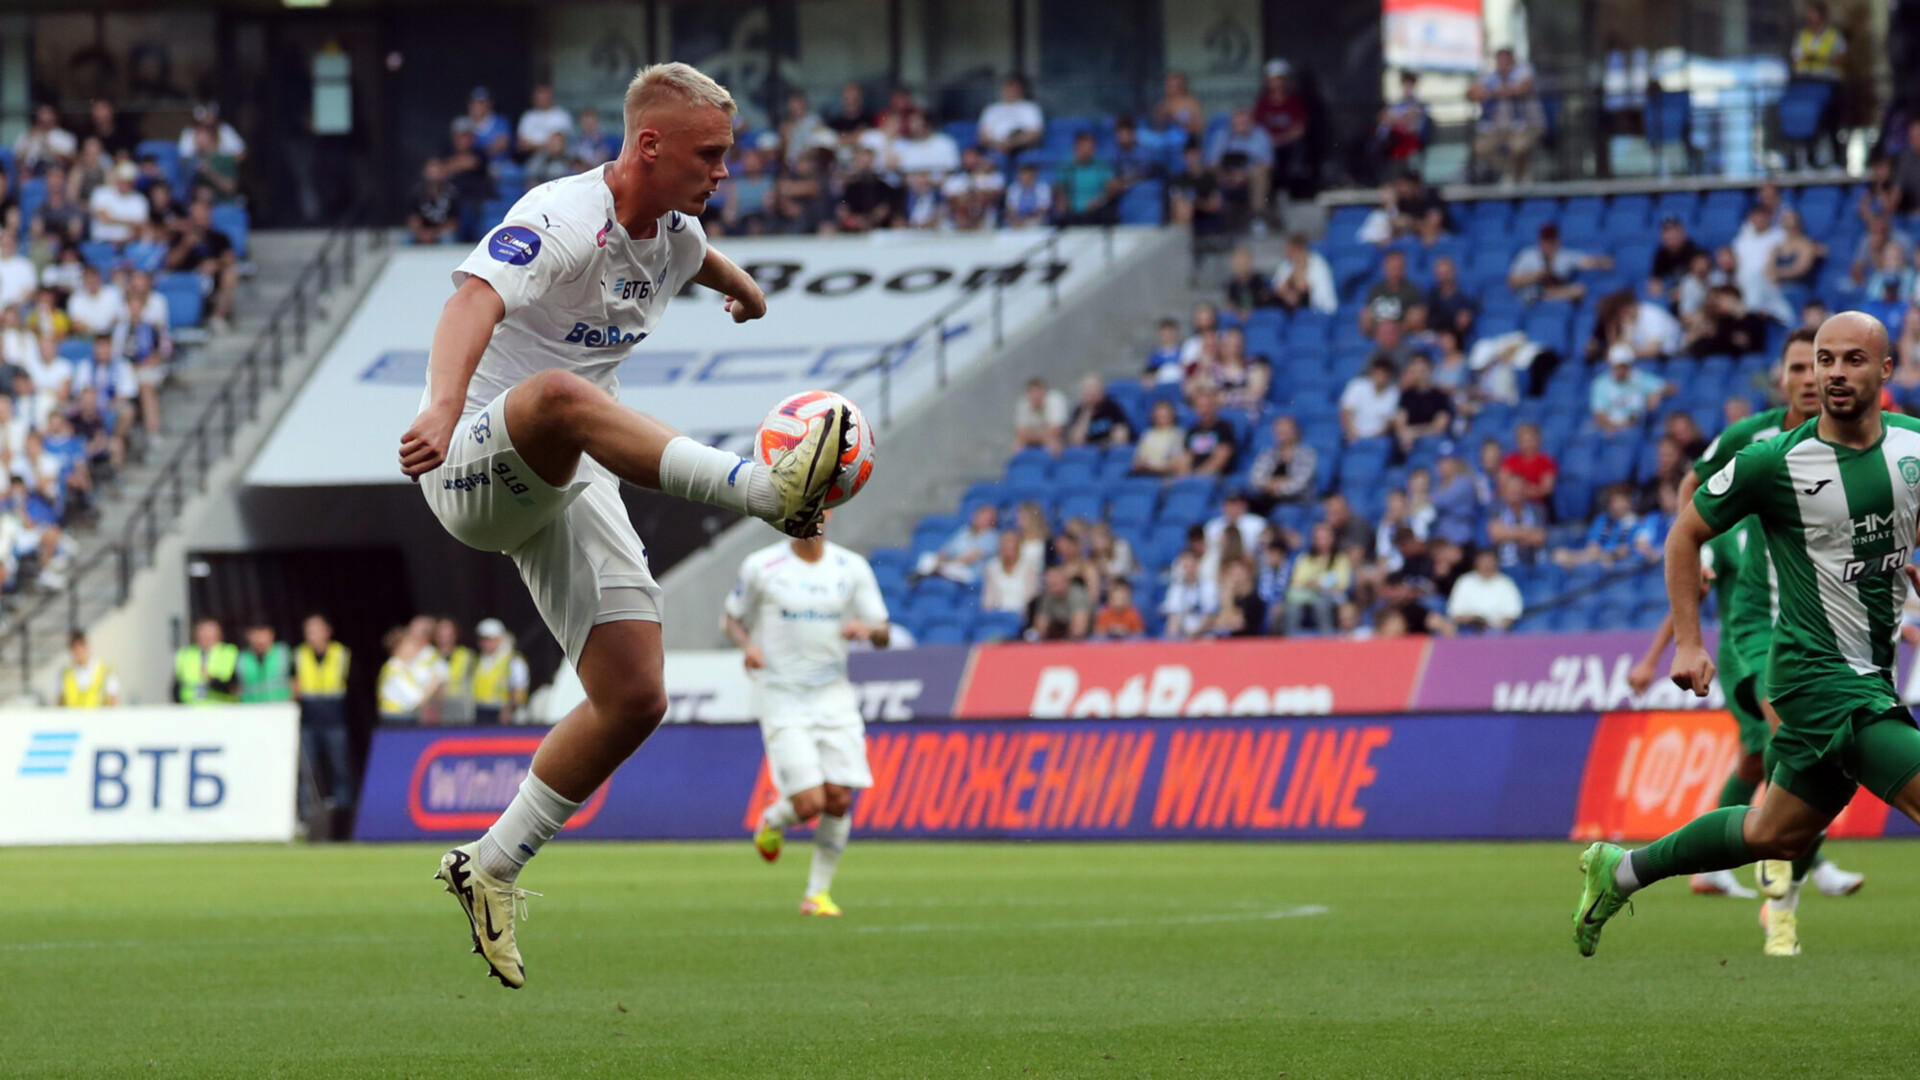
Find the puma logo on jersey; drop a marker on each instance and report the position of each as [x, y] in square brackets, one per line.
[1815, 489]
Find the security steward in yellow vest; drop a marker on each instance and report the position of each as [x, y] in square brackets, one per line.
[1819, 55]
[320, 682]
[86, 683]
[456, 694]
[499, 676]
[204, 672]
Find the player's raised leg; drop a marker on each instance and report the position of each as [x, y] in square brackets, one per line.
[621, 670]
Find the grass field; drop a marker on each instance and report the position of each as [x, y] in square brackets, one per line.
[1166, 960]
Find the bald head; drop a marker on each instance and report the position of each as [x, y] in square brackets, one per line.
[1851, 330]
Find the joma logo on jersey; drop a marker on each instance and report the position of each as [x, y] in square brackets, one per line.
[630, 288]
[582, 334]
[1890, 563]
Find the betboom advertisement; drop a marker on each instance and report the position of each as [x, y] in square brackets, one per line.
[1536, 737]
[148, 774]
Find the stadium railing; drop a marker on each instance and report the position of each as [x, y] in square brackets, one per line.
[205, 444]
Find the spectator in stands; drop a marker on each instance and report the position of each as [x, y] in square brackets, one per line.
[201, 249]
[1087, 190]
[17, 275]
[1517, 528]
[1194, 196]
[1132, 161]
[1304, 280]
[1391, 296]
[1725, 326]
[163, 210]
[431, 216]
[1040, 418]
[1424, 410]
[974, 192]
[1322, 579]
[1511, 119]
[1401, 132]
[226, 139]
[141, 335]
[544, 120]
[1797, 256]
[1008, 581]
[1236, 514]
[1028, 200]
[1672, 258]
[1370, 401]
[1548, 271]
[1197, 352]
[1242, 145]
[1247, 288]
[1112, 554]
[1813, 313]
[1623, 395]
[1242, 612]
[1869, 251]
[492, 135]
[1649, 537]
[89, 170]
[1283, 114]
[901, 107]
[63, 275]
[867, 200]
[58, 219]
[211, 168]
[1211, 443]
[1242, 382]
[1013, 123]
[1162, 448]
[1097, 420]
[106, 443]
[1409, 208]
[1485, 599]
[1448, 305]
[1118, 619]
[1531, 465]
[1063, 611]
[1456, 505]
[801, 128]
[1178, 106]
[1754, 248]
[925, 149]
[95, 306]
[963, 554]
[593, 146]
[1284, 471]
[466, 165]
[1610, 536]
[44, 145]
[551, 160]
[1351, 532]
[1633, 327]
[1163, 363]
[1191, 601]
[852, 118]
[117, 209]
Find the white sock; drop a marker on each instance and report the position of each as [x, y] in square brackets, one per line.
[1788, 902]
[531, 819]
[779, 814]
[829, 840]
[1623, 876]
[716, 477]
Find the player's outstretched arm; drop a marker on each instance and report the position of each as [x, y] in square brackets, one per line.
[744, 298]
[466, 325]
[1692, 667]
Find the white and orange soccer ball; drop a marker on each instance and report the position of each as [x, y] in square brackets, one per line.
[786, 424]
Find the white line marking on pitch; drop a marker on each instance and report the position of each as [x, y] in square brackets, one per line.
[1295, 912]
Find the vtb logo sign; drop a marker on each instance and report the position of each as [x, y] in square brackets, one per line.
[169, 776]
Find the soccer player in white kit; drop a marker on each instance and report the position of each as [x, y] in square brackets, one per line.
[520, 445]
[806, 601]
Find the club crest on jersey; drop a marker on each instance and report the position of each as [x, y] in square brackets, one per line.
[482, 427]
[592, 338]
[515, 245]
[1910, 471]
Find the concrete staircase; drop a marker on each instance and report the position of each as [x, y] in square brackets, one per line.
[287, 312]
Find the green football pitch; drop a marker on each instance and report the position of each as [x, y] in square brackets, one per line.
[979, 960]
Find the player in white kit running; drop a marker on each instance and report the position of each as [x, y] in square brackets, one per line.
[520, 445]
[805, 601]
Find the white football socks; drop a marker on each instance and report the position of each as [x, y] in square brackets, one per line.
[1789, 902]
[716, 477]
[535, 814]
[1624, 879]
[829, 840]
[779, 815]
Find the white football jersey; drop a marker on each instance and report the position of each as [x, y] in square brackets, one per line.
[796, 610]
[579, 292]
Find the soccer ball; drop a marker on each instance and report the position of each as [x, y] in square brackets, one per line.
[786, 424]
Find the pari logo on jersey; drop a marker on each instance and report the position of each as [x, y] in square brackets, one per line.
[515, 245]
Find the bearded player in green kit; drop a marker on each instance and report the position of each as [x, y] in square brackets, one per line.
[1742, 579]
[1838, 502]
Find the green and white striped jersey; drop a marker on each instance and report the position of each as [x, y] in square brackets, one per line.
[1839, 525]
[1745, 583]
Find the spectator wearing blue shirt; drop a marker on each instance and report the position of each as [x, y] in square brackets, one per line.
[966, 551]
[1244, 145]
[1624, 395]
[592, 145]
[1610, 537]
[1456, 504]
[1164, 364]
[1085, 192]
[1516, 528]
[491, 132]
[1132, 162]
[1649, 537]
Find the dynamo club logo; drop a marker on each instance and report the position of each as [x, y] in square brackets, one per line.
[515, 245]
[482, 427]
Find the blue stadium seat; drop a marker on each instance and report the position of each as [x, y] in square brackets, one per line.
[182, 294]
[1144, 203]
[991, 626]
[1680, 204]
[944, 632]
[1081, 506]
[899, 558]
[234, 221]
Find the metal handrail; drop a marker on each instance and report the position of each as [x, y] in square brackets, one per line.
[936, 323]
[210, 439]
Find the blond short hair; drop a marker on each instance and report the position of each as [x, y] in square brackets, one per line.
[657, 84]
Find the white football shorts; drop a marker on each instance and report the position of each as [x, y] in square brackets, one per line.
[813, 737]
[575, 546]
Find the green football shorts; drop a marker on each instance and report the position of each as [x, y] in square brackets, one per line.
[1846, 732]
